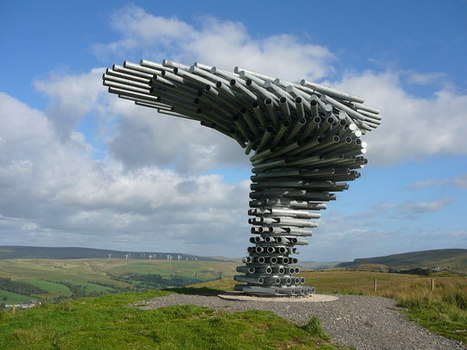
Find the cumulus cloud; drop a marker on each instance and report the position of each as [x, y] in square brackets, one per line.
[222, 43]
[54, 188]
[136, 136]
[72, 97]
[412, 127]
[144, 138]
[148, 190]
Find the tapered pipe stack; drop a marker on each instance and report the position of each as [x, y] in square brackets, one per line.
[307, 143]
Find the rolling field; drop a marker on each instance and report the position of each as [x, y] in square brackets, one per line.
[454, 260]
[391, 285]
[12, 298]
[90, 277]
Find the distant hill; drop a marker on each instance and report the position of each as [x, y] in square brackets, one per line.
[25, 252]
[449, 259]
[318, 265]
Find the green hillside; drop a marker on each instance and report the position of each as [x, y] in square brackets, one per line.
[54, 279]
[451, 259]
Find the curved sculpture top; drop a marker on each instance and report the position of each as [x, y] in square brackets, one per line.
[306, 139]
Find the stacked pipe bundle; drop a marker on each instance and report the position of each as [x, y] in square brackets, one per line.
[306, 139]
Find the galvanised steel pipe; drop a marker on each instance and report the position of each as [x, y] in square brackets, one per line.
[331, 92]
[306, 139]
[140, 69]
[127, 76]
[134, 73]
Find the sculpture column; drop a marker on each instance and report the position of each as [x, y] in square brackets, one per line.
[306, 139]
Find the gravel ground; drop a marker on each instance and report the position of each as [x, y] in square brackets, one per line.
[367, 323]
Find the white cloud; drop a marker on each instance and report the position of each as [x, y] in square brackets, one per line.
[411, 210]
[415, 77]
[412, 127]
[222, 43]
[424, 207]
[458, 181]
[135, 135]
[141, 31]
[144, 138]
[72, 97]
[134, 23]
[52, 189]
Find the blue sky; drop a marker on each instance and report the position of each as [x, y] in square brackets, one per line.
[80, 168]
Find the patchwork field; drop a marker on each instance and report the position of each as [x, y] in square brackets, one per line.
[53, 278]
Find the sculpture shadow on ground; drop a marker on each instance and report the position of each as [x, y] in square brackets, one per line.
[204, 291]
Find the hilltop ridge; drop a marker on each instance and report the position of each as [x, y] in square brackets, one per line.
[29, 252]
[438, 259]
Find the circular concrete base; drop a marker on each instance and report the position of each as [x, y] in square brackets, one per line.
[311, 298]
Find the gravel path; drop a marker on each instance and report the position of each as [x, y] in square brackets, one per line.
[367, 323]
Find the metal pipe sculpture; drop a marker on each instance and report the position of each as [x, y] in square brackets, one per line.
[306, 139]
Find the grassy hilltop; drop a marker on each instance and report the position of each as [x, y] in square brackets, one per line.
[114, 325]
[109, 323]
[66, 324]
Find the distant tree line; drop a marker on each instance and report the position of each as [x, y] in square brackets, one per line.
[157, 281]
[22, 288]
[78, 291]
[113, 288]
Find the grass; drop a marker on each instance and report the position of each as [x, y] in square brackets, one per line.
[446, 315]
[108, 323]
[315, 327]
